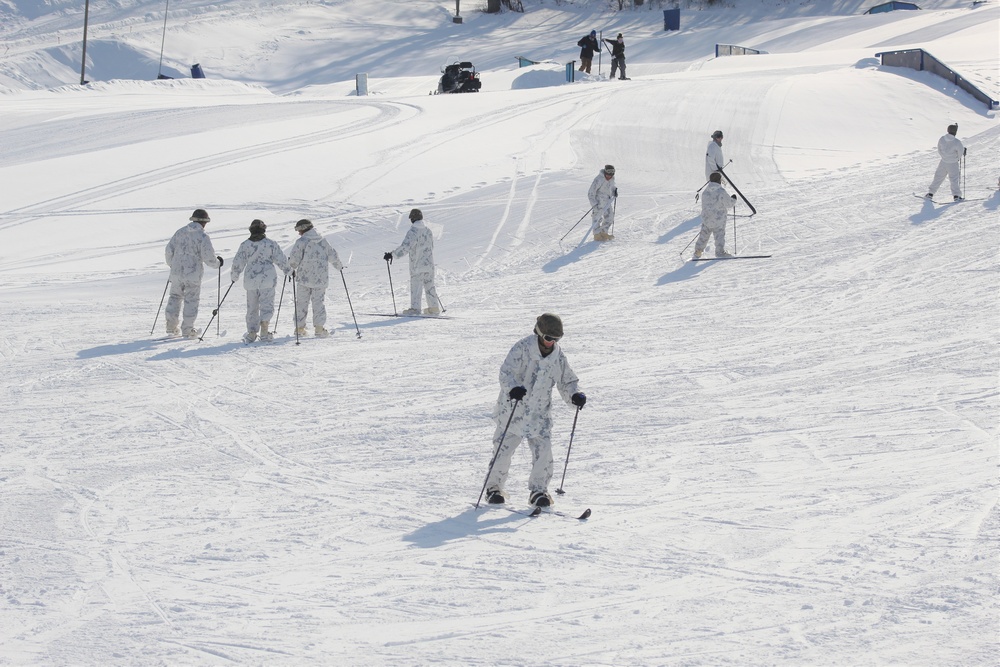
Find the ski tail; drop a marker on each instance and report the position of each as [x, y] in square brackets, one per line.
[742, 196]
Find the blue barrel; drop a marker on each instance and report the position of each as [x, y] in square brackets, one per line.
[671, 19]
[196, 72]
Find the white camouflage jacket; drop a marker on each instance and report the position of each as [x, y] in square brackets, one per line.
[258, 258]
[309, 258]
[713, 158]
[188, 252]
[601, 191]
[419, 243]
[950, 149]
[715, 203]
[526, 367]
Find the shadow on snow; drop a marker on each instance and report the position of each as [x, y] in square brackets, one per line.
[467, 524]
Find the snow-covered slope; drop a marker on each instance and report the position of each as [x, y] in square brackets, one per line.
[790, 460]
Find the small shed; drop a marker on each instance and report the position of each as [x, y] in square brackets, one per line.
[891, 6]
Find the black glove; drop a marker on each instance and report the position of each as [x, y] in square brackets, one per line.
[965, 151]
[733, 196]
[387, 257]
[221, 262]
[517, 393]
[579, 399]
[616, 192]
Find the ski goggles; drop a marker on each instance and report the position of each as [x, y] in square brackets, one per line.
[547, 338]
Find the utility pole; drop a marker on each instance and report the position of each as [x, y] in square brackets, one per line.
[83, 64]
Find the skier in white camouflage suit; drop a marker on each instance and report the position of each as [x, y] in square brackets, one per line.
[419, 244]
[188, 249]
[532, 368]
[715, 203]
[258, 255]
[602, 195]
[951, 151]
[309, 258]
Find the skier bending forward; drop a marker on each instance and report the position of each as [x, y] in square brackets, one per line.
[532, 368]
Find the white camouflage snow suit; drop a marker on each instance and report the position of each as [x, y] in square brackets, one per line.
[951, 150]
[259, 258]
[715, 203]
[601, 196]
[419, 243]
[309, 258]
[186, 253]
[526, 367]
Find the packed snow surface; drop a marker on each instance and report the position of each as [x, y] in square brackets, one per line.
[790, 461]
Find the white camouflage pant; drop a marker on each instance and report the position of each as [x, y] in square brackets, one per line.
[419, 282]
[541, 460]
[190, 295]
[304, 296]
[604, 217]
[260, 307]
[706, 232]
[953, 172]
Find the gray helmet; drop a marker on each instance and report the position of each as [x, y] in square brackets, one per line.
[717, 134]
[549, 324]
[200, 215]
[258, 226]
[415, 215]
[303, 225]
[609, 169]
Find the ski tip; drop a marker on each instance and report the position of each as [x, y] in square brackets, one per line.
[585, 515]
[536, 512]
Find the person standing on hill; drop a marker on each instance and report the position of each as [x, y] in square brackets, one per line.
[533, 367]
[713, 154]
[309, 260]
[715, 203]
[419, 244]
[617, 56]
[951, 151]
[602, 195]
[258, 255]
[588, 44]
[186, 253]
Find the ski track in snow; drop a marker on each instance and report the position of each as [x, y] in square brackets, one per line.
[790, 460]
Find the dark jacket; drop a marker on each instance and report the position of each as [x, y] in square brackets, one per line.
[617, 48]
[588, 45]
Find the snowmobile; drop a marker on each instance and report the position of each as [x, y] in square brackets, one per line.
[460, 77]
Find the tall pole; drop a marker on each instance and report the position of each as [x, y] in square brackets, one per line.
[163, 40]
[83, 63]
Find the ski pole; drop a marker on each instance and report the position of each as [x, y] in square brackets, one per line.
[497, 452]
[295, 305]
[218, 302]
[577, 222]
[689, 243]
[735, 245]
[391, 291]
[964, 151]
[349, 303]
[161, 306]
[216, 311]
[614, 210]
[568, 450]
[600, 52]
[280, 299]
